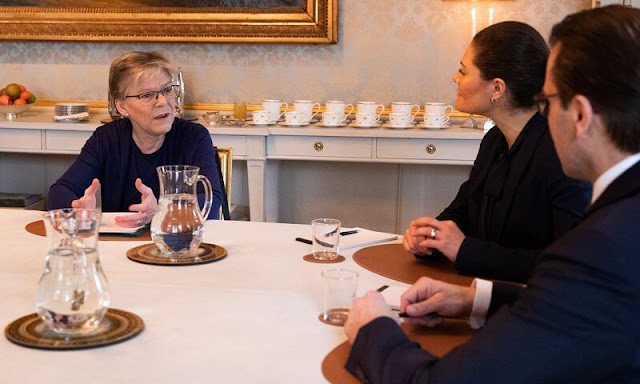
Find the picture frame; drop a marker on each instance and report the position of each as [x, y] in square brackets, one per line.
[308, 22]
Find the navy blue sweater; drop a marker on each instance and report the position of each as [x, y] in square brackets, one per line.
[111, 156]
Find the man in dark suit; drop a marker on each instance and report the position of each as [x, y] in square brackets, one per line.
[576, 321]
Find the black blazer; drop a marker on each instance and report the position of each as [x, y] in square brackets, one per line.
[575, 322]
[516, 202]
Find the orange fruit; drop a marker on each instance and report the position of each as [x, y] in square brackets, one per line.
[25, 95]
[19, 102]
[13, 90]
[22, 87]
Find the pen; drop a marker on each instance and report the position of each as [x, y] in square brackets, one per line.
[351, 232]
[404, 314]
[300, 239]
[382, 288]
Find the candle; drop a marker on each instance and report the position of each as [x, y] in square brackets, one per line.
[473, 22]
[490, 16]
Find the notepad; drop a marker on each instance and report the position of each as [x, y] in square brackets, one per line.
[108, 225]
[363, 238]
[392, 296]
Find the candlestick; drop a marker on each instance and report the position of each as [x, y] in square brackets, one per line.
[490, 16]
[473, 22]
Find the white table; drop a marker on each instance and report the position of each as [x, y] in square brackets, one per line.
[251, 317]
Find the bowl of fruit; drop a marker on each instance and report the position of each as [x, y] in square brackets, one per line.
[14, 100]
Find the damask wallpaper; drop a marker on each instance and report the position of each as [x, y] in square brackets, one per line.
[387, 51]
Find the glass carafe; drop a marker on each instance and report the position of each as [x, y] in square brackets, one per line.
[177, 227]
[72, 296]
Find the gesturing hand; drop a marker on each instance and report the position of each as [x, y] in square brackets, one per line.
[365, 309]
[411, 239]
[88, 200]
[429, 301]
[144, 211]
[448, 237]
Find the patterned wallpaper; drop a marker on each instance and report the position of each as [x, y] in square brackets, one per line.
[404, 50]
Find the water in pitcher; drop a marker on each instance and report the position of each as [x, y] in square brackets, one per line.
[72, 296]
[177, 228]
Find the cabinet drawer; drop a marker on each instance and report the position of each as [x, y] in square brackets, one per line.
[20, 139]
[237, 143]
[68, 141]
[428, 149]
[314, 147]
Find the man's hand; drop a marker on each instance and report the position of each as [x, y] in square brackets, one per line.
[429, 301]
[88, 201]
[445, 236]
[364, 310]
[412, 239]
[144, 211]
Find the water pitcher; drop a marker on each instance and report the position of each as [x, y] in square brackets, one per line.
[72, 296]
[178, 226]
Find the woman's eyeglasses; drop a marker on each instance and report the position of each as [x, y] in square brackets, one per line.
[543, 102]
[169, 93]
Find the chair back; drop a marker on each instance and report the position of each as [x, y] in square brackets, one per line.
[224, 161]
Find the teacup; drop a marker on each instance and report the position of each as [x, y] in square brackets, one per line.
[435, 120]
[261, 117]
[333, 119]
[306, 107]
[370, 107]
[404, 108]
[295, 118]
[274, 106]
[338, 106]
[400, 120]
[437, 108]
[366, 119]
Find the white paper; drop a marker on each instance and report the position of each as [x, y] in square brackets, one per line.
[363, 238]
[108, 223]
[392, 296]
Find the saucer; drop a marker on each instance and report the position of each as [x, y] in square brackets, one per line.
[259, 124]
[331, 126]
[285, 124]
[356, 125]
[435, 126]
[387, 125]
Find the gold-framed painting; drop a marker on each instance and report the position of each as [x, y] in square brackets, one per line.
[229, 21]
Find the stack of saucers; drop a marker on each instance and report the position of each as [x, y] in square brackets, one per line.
[71, 111]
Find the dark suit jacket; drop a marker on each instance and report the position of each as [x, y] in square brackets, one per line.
[516, 202]
[575, 322]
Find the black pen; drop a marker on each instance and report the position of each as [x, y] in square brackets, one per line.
[300, 239]
[404, 314]
[351, 232]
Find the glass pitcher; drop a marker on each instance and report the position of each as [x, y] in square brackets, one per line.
[177, 227]
[72, 296]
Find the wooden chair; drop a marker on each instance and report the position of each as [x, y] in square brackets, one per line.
[224, 161]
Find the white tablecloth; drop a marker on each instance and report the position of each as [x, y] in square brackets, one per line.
[250, 318]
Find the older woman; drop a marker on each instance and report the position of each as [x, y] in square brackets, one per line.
[517, 199]
[122, 156]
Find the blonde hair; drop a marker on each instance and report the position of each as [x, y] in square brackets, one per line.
[128, 68]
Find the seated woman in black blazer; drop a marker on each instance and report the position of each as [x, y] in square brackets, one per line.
[517, 199]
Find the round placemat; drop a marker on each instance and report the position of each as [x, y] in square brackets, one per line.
[392, 261]
[149, 254]
[37, 228]
[438, 341]
[30, 331]
[310, 259]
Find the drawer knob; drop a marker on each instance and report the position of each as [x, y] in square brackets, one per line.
[318, 146]
[431, 149]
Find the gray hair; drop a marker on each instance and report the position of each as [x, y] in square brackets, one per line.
[128, 68]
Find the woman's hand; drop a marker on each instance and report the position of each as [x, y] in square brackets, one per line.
[445, 236]
[365, 309]
[411, 240]
[428, 302]
[88, 201]
[144, 211]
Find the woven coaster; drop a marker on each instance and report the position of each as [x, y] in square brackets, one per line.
[117, 326]
[310, 259]
[149, 254]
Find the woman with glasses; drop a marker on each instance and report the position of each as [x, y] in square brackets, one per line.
[121, 157]
[517, 200]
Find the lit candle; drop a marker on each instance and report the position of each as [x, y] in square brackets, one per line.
[490, 16]
[473, 22]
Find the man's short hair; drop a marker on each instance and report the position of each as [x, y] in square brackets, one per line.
[599, 58]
